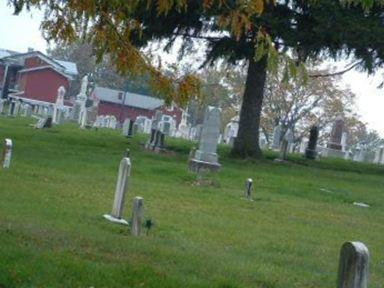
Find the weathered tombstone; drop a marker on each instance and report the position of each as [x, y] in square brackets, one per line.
[353, 266]
[276, 137]
[379, 155]
[121, 189]
[248, 189]
[91, 116]
[1, 105]
[17, 108]
[59, 105]
[310, 152]
[358, 156]
[127, 128]
[40, 123]
[206, 157]
[137, 216]
[336, 134]
[11, 108]
[165, 127]
[285, 144]
[48, 122]
[343, 142]
[231, 130]
[7, 153]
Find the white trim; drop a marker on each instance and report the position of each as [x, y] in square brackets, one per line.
[45, 67]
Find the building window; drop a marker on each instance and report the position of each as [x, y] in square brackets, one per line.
[120, 95]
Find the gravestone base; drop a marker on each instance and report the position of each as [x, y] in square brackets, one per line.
[115, 220]
[197, 165]
[328, 152]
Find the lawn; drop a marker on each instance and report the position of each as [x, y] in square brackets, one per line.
[62, 180]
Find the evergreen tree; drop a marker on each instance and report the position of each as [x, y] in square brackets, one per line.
[237, 30]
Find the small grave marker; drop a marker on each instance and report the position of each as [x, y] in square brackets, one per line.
[7, 153]
[353, 266]
[137, 216]
[248, 189]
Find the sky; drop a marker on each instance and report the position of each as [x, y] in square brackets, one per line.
[21, 32]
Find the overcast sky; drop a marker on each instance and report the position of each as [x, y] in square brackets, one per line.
[20, 32]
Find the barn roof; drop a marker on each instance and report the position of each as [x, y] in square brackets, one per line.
[130, 99]
[66, 67]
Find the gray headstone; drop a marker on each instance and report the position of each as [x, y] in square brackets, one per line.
[137, 216]
[276, 137]
[209, 136]
[336, 134]
[353, 266]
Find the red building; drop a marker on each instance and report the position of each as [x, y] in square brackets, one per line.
[131, 105]
[33, 76]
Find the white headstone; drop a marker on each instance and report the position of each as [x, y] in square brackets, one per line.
[206, 157]
[121, 189]
[7, 153]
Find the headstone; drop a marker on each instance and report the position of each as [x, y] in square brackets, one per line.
[276, 137]
[112, 122]
[127, 128]
[379, 155]
[76, 111]
[2, 101]
[231, 130]
[11, 108]
[137, 216]
[165, 127]
[286, 143]
[344, 138]
[91, 116]
[59, 105]
[336, 134]
[206, 157]
[358, 156]
[44, 123]
[121, 189]
[353, 266]
[248, 189]
[17, 108]
[311, 150]
[7, 153]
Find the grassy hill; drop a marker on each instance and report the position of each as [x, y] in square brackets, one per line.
[62, 180]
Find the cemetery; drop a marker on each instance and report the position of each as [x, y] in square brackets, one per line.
[191, 143]
[250, 224]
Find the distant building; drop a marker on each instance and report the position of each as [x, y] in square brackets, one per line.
[131, 105]
[33, 76]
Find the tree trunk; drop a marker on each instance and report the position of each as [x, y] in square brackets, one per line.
[247, 141]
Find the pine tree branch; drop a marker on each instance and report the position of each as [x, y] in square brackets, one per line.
[208, 38]
[336, 73]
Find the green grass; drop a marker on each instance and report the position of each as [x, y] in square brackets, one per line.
[62, 180]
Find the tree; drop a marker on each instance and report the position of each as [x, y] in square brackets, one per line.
[297, 106]
[103, 72]
[250, 30]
